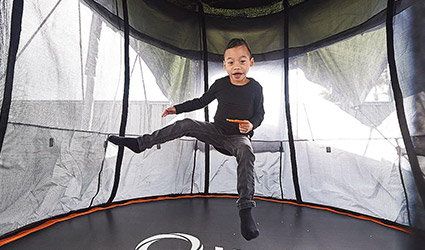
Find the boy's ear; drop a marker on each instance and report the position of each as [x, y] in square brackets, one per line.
[251, 62]
[224, 64]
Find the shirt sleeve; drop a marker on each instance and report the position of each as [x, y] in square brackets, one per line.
[197, 103]
[258, 117]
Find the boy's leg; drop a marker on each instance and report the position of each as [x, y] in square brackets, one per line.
[203, 131]
[240, 146]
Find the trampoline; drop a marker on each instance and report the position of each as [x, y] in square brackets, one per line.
[211, 222]
[339, 155]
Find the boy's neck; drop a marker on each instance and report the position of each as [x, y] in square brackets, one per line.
[241, 83]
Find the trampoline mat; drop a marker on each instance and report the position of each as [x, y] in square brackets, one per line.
[213, 223]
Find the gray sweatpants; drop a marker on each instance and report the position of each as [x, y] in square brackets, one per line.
[236, 145]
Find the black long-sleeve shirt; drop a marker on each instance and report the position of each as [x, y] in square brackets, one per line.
[234, 102]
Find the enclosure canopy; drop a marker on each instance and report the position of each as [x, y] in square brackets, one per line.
[344, 96]
[175, 25]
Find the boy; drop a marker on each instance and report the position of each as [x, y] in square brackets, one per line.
[239, 97]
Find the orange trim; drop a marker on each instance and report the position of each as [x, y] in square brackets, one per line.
[68, 217]
[362, 217]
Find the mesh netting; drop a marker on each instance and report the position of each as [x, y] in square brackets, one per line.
[68, 95]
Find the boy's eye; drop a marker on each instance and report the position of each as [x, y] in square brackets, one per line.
[230, 63]
[243, 61]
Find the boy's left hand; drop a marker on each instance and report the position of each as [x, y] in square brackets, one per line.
[245, 127]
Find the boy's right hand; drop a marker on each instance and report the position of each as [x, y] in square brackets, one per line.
[169, 111]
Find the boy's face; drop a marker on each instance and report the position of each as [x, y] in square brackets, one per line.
[237, 62]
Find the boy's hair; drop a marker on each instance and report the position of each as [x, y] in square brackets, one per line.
[236, 42]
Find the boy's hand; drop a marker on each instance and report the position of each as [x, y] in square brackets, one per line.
[169, 111]
[245, 127]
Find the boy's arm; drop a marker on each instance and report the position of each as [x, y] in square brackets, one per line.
[193, 104]
[258, 117]
[197, 103]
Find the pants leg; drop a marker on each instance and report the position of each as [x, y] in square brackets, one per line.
[237, 145]
[202, 131]
[240, 146]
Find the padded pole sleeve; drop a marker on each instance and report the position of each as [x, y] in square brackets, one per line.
[124, 113]
[287, 106]
[206, 112]
[398, 97]
[15, 36]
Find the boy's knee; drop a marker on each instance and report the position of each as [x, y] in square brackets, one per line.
[245, 150]
[186, 122]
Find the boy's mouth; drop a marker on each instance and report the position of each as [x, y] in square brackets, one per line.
[237, 75]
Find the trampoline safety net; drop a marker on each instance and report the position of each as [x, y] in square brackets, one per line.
[68, 88]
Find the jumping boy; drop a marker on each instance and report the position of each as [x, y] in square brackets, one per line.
[239, 98]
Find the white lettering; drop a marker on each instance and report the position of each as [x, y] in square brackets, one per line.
[196, 244]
